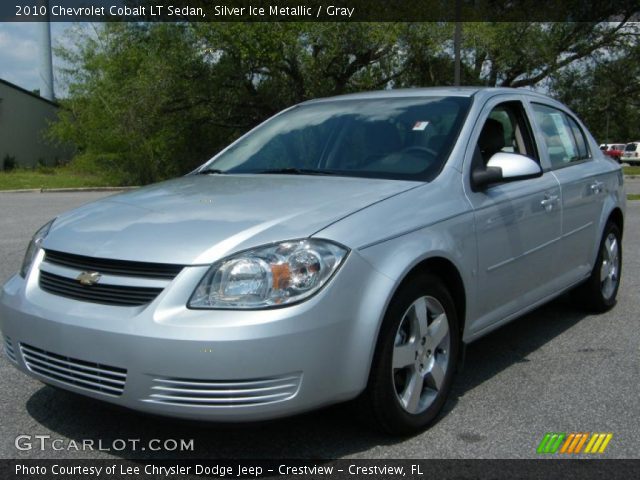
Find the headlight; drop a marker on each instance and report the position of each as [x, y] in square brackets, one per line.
[33, 248]
[269, 276]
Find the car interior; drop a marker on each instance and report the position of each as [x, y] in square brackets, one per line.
[505, 130]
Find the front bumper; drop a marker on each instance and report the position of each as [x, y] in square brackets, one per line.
[217, 365]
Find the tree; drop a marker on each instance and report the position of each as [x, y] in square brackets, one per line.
[605, 94]
[122, 112]
[518, 54]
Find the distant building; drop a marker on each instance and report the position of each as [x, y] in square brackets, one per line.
[24, 118]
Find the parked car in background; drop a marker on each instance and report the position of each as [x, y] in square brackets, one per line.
[347, 248]
[614, 150]
[631, 153]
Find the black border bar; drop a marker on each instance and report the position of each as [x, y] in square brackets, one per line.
[314, 10]
[343, 469]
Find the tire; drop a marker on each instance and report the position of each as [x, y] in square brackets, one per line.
[598, 294]
[415, 358]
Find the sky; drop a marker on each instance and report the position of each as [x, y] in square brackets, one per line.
[19, 55]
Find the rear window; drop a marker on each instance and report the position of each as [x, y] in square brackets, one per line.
[631, 147]
[563, 137]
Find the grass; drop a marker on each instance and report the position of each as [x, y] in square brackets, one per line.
[631, 170]
[45, 177]
[633, 196]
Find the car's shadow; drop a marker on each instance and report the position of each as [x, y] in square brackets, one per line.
[328, 433]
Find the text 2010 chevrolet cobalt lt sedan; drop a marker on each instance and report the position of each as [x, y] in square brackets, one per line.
[346, 248]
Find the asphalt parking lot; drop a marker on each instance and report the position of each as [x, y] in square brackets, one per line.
[555, 370]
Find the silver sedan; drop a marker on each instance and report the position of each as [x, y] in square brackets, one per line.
[346, 249]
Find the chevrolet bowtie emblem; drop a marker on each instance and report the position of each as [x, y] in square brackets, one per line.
[88, 278]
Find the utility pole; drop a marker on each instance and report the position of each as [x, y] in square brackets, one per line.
[46, 58]
[456, 43]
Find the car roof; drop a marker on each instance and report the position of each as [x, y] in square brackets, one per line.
[432, 92]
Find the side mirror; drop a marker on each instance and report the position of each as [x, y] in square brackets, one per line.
[506, 167]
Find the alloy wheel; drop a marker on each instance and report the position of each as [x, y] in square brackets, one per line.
[421, 354]
[610, 267]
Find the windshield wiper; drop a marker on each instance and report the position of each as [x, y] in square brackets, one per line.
[296, 171]
[210, 171]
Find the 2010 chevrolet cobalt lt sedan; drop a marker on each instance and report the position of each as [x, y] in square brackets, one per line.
[347, 248]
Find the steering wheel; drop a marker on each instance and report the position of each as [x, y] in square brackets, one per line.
[417, 149]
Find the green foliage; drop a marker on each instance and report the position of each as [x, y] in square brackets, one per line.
[44, 170]
[606, 95]
[150, 101]
[127, 100]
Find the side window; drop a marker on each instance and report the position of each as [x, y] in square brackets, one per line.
[506, 130]
[563, 137]
[581, 141]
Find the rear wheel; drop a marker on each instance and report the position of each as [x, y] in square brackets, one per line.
[599, 292]
[415, 357]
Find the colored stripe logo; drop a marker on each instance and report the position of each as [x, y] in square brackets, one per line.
[573, 443]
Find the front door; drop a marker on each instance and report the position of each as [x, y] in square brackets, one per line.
[518, 224]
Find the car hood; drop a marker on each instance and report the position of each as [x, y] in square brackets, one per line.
[198, 219]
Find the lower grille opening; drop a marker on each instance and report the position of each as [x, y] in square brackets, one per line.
[88, 375]
[224, 393]
[8, 348]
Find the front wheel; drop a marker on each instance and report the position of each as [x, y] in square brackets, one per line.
[599, 292]
[415, 357]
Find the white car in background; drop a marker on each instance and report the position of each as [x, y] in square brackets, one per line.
[631, 152]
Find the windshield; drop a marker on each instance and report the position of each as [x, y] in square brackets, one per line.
[405, 138]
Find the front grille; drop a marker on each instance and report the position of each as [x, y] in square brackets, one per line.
[71, 371]
[223, 393]
[106, 266]
[99, 293]
[8, 347]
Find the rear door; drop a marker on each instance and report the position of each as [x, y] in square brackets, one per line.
[518, 224]
[582, 182]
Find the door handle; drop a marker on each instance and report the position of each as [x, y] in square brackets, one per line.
[596, 187]
[549, 201]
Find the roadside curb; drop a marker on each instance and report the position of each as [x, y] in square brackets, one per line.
[24, 190]
[86, 189]
[69, 190]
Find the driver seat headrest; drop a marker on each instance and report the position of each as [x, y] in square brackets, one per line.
[491, 139]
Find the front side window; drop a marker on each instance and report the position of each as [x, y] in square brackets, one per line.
[404, 138]
[506, 130]
[565, 140]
